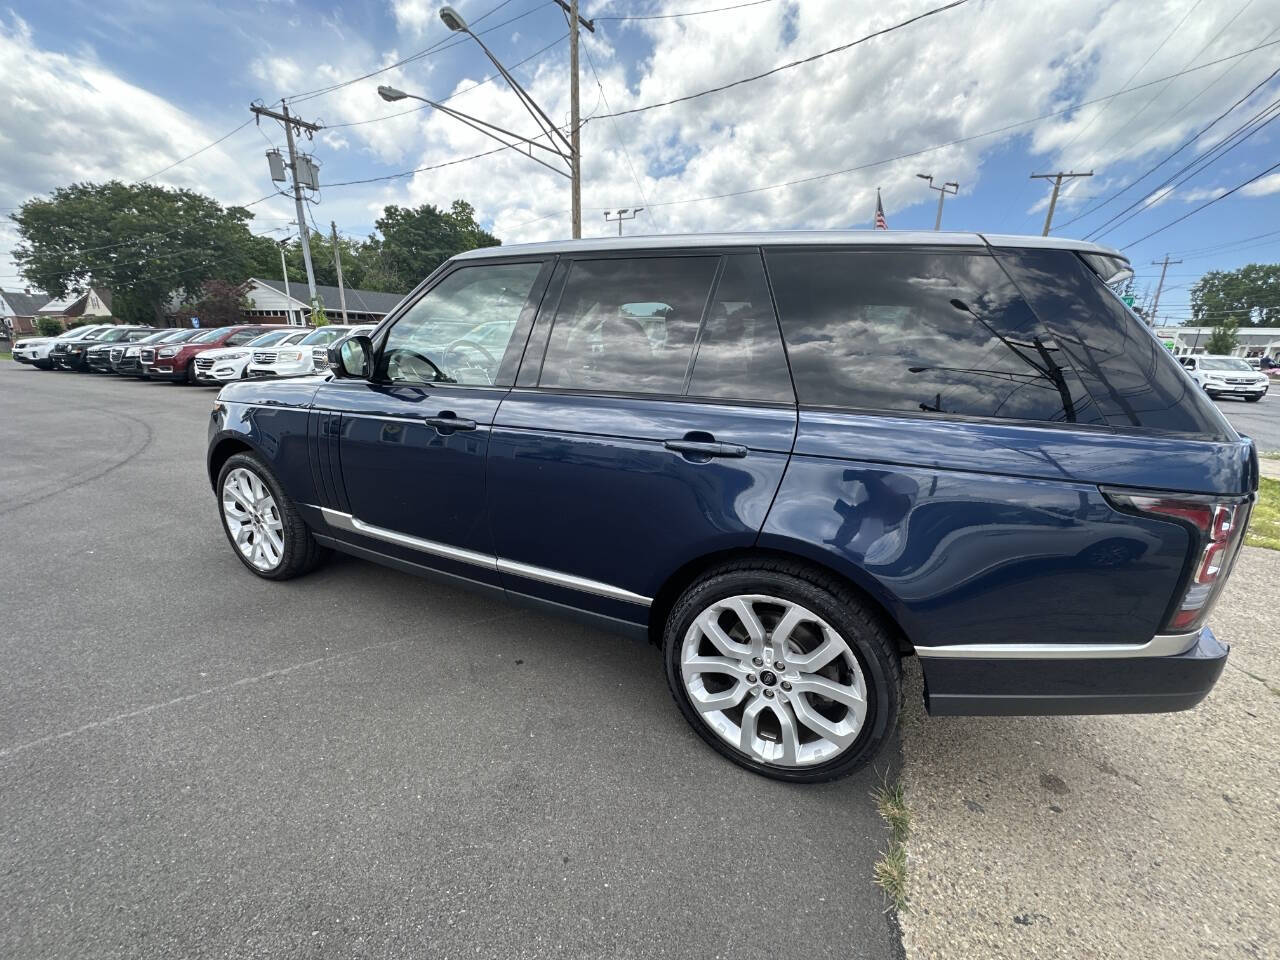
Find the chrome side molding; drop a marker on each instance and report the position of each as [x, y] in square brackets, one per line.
[346, 522]
[1161, 645]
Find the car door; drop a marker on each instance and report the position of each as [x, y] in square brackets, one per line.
[401, 456]
[651, 424]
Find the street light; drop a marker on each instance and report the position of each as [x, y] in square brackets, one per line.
[626, 213]
[567, 149]
[942, 194]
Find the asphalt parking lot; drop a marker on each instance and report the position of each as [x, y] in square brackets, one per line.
[196, 763]
[1260, 420]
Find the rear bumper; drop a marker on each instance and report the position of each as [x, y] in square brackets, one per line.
[1009, 686]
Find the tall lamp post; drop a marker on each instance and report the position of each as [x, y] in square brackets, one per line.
[557, 146]
[626, 213]
[942, 194]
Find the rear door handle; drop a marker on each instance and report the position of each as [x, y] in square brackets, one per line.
[447, 423]
[706, 448]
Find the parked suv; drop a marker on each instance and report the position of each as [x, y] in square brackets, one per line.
[791, 460]
[97, 357]
[229, 363]
[176, 361]
[1227, 377]
[36, 350]
[300, 359]
[73, 354]
[126, 358]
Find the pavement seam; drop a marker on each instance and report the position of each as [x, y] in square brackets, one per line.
[186, 698]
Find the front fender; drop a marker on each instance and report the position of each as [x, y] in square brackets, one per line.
[277, 434]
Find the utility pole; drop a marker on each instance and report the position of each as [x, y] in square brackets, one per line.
[1057, 179]
[284, 268]
[575, 135]
[1163, 265]
[289, 124]
[337, 262]
[942, 194]
[626, 213]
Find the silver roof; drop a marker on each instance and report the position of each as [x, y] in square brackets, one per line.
[786, 238]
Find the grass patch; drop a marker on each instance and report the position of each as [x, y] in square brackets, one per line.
[1264, 525]
[1270, 455]
[6, 355]
[890, 871]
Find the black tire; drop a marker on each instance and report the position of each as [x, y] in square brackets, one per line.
[301, 553]
[868, 637]
[191, 372]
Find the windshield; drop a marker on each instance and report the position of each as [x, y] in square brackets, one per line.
[1225, 363]
[111, 336]
[75, 333]
[275, 336]
[324, 335]
[156, 336]
[209, 335]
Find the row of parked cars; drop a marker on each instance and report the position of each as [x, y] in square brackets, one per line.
[213, 356]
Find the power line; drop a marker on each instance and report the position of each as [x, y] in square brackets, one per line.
[1202, 206]
[444, 43]
[1133, 76]
[1156, 96]
[207, 146]
[478, 83]
[687, 13]
[793, 63]
[1181, 176]
[1200, 133]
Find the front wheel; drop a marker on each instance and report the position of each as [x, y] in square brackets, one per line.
[784, 670]
[261, 522]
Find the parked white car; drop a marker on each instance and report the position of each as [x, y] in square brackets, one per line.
[299, 359]
[35, 350]
[1227, 377]
[230, 363]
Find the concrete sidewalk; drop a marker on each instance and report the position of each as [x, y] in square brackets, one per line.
[1128, 836]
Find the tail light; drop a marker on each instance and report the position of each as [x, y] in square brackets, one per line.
[1216, 526]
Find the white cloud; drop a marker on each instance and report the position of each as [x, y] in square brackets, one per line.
[1200, 194]
[1260, 188]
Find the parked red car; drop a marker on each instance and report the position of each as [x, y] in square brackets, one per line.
[177, 361]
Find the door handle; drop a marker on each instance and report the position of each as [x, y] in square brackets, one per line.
[706, 448]
[447, 422]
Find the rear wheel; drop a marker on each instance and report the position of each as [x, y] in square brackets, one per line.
[783, 670]
[260, 520]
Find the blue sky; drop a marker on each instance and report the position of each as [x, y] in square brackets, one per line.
[122, 88]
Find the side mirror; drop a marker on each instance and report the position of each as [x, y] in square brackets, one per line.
[352, 357]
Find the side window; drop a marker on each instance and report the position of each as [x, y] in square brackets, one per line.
[932, 331]
[628, 325]
[740, 353]
[461, 328]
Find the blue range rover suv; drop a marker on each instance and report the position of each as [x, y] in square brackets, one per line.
[789, 459]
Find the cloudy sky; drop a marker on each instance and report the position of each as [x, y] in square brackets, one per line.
[983, 94]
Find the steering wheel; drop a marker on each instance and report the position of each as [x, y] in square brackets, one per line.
[397, 357]
[470, 345]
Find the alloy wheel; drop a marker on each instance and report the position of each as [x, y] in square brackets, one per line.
[253, 517]
[774, 680]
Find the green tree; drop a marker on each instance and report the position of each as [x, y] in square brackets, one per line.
[1250, 295]
[219, 303]
[318, 317]
[147, 244]
[1223, 339]
[48, 326]
[416, 241]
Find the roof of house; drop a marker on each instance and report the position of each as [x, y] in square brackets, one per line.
[787, 238]
[24, 304]
[358, 301]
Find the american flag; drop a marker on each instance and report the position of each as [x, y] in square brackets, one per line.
[881, 223]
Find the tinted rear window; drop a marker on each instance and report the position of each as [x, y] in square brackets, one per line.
[1132, 376]
[628, 325]
[920, 331]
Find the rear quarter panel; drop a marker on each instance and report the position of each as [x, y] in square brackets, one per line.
[978, 533]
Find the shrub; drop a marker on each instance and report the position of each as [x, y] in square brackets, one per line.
[48, 326]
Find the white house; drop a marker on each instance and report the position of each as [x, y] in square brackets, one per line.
[270, 303]
[1251, 341]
